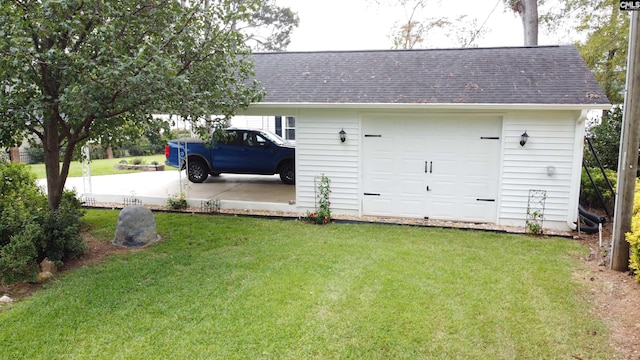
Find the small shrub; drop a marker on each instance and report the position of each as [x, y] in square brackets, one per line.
[18, 257]
[29, 232]
[136, 161]
[633, 237]
[177, 202]
[154, 162]
[61, 231]
[123, 162]
[322, 215]
[534, 222]
[21, 199]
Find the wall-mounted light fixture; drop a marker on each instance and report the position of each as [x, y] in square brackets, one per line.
[523, 138]
[343, 136]
[551, 170]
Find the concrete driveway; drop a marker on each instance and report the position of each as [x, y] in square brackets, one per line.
[254, 192]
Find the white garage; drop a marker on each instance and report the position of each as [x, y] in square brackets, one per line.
[436, 133]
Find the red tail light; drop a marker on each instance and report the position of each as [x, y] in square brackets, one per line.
[167, 151]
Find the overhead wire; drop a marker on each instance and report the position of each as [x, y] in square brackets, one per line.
[473, 38]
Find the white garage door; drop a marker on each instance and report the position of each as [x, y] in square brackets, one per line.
[438, 168]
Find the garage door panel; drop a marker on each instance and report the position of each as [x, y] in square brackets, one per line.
[381, 165]
[442, 210]
[409, 208]
[476, 190]
[378, 185]
[377, 206]
[432, 167]
[411, 188]
[476, 211]
[412, 167]
[412, 143]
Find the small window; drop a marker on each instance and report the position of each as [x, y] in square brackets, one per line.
[248, 139]
[234, 138]
[290, 128]
[261, 141]
[253, 139]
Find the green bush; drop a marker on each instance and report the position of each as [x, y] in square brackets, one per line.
[177, 202]
[21, 199]
[589, 196]
[18, 257]
[633, 237]
[605, 138]
[61, 238]
[29, 232]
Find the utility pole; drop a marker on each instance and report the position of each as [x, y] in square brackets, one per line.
[628, 158]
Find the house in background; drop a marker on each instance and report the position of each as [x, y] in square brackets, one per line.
[489, 135]
[285, 126]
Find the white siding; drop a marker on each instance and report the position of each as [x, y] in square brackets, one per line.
[551, 143]
[319, 151]
[555, 141]
[255, 122]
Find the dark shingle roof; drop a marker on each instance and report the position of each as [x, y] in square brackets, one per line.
[515, 75]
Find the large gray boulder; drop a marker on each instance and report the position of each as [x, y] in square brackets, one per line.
[136, 227]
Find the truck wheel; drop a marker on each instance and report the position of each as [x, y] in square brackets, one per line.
[197, 171]
[288, 173]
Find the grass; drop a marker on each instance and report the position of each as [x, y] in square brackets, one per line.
[100, 167]
[219, 287]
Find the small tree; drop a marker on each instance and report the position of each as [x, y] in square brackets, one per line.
[74, 71]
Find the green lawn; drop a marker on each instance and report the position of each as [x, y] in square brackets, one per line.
[100, 167]
[222, 287]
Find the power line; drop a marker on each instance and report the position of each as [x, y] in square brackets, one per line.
[473, 38]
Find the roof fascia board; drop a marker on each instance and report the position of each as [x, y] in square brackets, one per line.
[443, 106]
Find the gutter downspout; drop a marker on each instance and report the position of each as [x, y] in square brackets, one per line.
[579, 140]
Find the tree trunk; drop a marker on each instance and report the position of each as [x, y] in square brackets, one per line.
[528, 11]
[529, 17]
[14, 154]
[56, 176]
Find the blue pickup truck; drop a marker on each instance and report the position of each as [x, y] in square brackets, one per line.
[243, 151]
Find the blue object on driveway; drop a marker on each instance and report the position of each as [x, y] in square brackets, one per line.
[243, 151]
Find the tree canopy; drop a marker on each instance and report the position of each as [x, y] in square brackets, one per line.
[73, 71]
[601, 33]
[416, 30]
[270, 27]
[606, 45]
[605, 138]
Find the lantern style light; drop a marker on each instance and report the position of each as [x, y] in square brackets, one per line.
[523, 138]
[343, 135]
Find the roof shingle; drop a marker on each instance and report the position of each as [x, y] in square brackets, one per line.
[510, 75]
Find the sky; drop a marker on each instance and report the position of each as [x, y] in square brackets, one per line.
[362, 25]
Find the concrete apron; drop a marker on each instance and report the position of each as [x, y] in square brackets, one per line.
[246, 192]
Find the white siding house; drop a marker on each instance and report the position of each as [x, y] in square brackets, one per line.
[436, 133]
